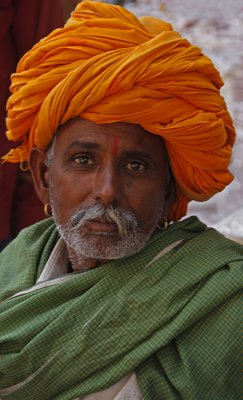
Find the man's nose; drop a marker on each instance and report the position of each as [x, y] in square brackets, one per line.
[106, 186]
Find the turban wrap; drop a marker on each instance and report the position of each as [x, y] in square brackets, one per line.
[105, 65]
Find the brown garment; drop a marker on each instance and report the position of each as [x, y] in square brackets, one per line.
[22, 24]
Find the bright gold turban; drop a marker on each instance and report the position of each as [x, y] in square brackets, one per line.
[105, 65]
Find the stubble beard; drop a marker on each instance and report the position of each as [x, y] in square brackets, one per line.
[128, 240]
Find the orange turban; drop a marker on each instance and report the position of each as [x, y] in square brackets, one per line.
[106, 65]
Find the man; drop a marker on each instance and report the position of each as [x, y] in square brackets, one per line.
[122, 123]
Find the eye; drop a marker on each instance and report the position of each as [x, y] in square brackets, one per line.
[136, 166]
[84, 160]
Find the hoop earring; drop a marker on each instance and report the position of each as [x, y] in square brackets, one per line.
[163, 224]
[47, 209]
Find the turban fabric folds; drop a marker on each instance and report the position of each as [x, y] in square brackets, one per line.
[106, 65]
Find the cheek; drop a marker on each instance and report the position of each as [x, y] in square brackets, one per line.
[58, 201]
[148, 208]
[66, 195]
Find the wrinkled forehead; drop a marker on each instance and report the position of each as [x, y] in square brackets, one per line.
[117, 136]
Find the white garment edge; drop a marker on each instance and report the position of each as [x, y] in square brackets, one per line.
[126, 389]
[49, 273]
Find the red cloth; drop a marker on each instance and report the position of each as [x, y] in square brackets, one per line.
[22, 24]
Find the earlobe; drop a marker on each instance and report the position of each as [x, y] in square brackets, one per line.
[40, 173]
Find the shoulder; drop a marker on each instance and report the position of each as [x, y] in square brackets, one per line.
[23, 259]
[29, 238]
[205, 265]
[192, 229]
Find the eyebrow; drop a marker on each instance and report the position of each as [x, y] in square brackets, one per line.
[96, 146]
[137, 154]
[83, 145]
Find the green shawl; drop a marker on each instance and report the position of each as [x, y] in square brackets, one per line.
[171, 316]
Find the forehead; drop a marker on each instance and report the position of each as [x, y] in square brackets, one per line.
[119, 136]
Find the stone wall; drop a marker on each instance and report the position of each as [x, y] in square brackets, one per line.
[218, 29]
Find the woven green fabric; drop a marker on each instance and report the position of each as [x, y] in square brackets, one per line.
[175, 322]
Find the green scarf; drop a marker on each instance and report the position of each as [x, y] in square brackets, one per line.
[170, 316]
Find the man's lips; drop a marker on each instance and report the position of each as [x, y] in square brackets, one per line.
[101, 225]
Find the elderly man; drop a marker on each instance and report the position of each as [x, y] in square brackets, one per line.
[122, 124]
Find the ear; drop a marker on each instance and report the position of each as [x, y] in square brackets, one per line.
[40, 173]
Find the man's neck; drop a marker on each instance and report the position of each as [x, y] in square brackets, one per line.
[83, 263]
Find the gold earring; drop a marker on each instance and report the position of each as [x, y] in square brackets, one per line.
[163, 224]
[47, 210]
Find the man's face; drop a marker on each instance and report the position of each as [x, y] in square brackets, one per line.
[107, 187]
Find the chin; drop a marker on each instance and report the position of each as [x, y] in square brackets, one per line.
[106, 246]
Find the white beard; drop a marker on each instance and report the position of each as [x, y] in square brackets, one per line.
[129, 240]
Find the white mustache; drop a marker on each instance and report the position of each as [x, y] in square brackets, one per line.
[125, 220]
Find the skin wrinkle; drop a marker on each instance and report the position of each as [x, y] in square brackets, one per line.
[50, 154]
[110, 143]
[51, 148]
